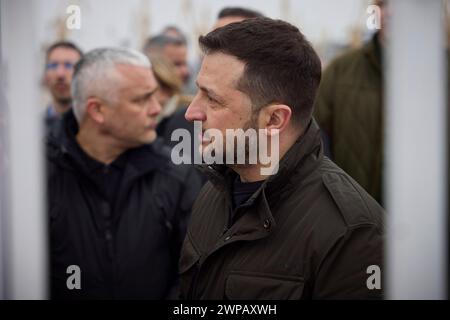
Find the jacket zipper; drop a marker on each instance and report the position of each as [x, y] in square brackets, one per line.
[198, 265]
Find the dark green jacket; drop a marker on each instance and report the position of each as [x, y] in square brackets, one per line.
[309, 232]
[349, 108]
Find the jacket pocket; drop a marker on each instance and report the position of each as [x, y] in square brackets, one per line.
[243, 285]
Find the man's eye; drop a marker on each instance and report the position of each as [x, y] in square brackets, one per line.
[52, 65]
[142, 100]
[68, 65]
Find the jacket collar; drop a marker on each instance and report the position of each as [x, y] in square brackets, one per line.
[303, 156]
[302, 159]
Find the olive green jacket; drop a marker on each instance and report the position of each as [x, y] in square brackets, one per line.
[349, 108]
[309, 232]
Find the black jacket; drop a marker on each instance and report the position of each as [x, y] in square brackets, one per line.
[177, 121]
[127, 247]
[309, 232]
[173, 122]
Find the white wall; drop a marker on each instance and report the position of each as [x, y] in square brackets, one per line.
[129, 23]
[22, 214]
[115, 22]
[416, 157]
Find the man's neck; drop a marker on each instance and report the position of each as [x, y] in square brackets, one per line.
[61, 107]
[253, 173]
[250, 173]
[98, 147]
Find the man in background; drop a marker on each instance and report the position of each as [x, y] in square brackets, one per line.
[234, 14]
[60, 60]
[350, 110]
[174, 49]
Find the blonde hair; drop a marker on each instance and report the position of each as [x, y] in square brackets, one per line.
[166, 74]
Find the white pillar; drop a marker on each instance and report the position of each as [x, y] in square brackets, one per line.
[3, 172]
[416, 155]
[24, 221]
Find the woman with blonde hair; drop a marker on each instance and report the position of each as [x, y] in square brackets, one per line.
[173, 102]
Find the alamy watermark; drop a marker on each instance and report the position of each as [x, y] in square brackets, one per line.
[73, 21]
[74, 279]
[373, 22]
[374, 280]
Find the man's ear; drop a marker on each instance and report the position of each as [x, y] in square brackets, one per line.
[94, 109]
[275, 116]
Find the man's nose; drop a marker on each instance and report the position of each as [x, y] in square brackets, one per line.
[185, 73]
[61, 71]
[155, 107]
[194, 112]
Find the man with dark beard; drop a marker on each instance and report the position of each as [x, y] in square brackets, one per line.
[305, 230]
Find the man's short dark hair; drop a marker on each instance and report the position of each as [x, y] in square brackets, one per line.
[63, 44]
[238, 12]
[280, 64]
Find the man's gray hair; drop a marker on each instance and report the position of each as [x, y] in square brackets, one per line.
[95, 73]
